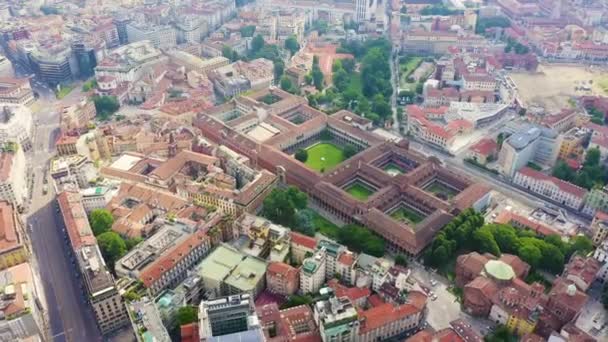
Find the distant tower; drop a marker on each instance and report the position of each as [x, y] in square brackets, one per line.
[172, 145]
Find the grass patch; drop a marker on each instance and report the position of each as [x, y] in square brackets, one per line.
[324, 226]
[441, 190]
[406, 68]
[603, 83]
[393, 169]
[63, 92]
[323, 156]
[405, 214]
[355, 83]
[359, 191]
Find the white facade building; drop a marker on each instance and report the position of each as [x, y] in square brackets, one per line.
[16, 125]
[312, 273]
[553, 188]
[13, 184]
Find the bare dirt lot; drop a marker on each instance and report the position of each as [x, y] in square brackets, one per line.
[552, 85]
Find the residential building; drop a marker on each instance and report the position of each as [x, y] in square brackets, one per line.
[484, 151]
[102, 294]
[164, 259]
[479, 83]
[16, 90]
[555, 189]
[535, 144]
[16, 125]
[332, 252]
[22, 319]
[227, 271]
[601, 255]
[76, 117]
[337, 320]
[387, 320]
[226, 316]
[263, 239]
[161, 36]
[301, 246]
[572, 144]
[13, 250]
[599, 227]
[13, 184]
[293, 324]
[282, 279]
[147, 322]
[596, 201]
[313, 272]
[581, 271]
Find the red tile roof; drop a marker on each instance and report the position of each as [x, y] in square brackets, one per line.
[189, 332]
[9, 238]
[75, 219]
[509, 217]
[303, 240]
[353, 293]
[562, 185]
[165, 263]
[382, 315]
[485, 147]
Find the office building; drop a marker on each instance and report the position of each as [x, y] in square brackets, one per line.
[337, 320]
[227, 316]
[537, 144]
[161, 36]
[54, 65]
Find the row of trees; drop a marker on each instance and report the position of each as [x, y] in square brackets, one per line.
[467, 232]
[593, 173]
[282, 205]
[597, 116]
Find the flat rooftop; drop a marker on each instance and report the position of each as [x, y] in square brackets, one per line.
[220, 263]
[125, 162]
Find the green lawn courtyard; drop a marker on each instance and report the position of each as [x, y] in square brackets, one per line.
[441, 190]
[407, 215]
[359, 190]
[323, 156]
[393, 169]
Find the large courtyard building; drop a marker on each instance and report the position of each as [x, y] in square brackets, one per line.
[399, 194]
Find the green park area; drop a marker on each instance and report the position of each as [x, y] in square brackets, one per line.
[407, 215]
[359, 190]
[406, 67]
[324, 156]
[393, 169]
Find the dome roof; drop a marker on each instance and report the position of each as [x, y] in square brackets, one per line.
[499, 270]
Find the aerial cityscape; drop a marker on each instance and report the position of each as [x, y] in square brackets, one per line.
[304, 171]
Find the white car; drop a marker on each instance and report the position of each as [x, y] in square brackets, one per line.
[433, 282]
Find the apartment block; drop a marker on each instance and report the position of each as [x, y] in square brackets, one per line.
[550, 187]
[107, 303]
[282, 279]
[16, 91]
[13, 187]
[13, 250]
[313, 272]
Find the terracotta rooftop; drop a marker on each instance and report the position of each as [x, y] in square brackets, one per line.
[303, 240]
[562, 185]
[9, 235]
[485, 147]
[509, 217]
[75, 219]
[380, 316]
[6, 163]
[165, 263]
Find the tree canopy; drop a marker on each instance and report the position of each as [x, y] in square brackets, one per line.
[186, 315]
[291, 44]
[281, 205]
[361, 239]
[593, 173]
[106, 106]
[101, 221]
[112, 247]
[247, 31]
[301, 155]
